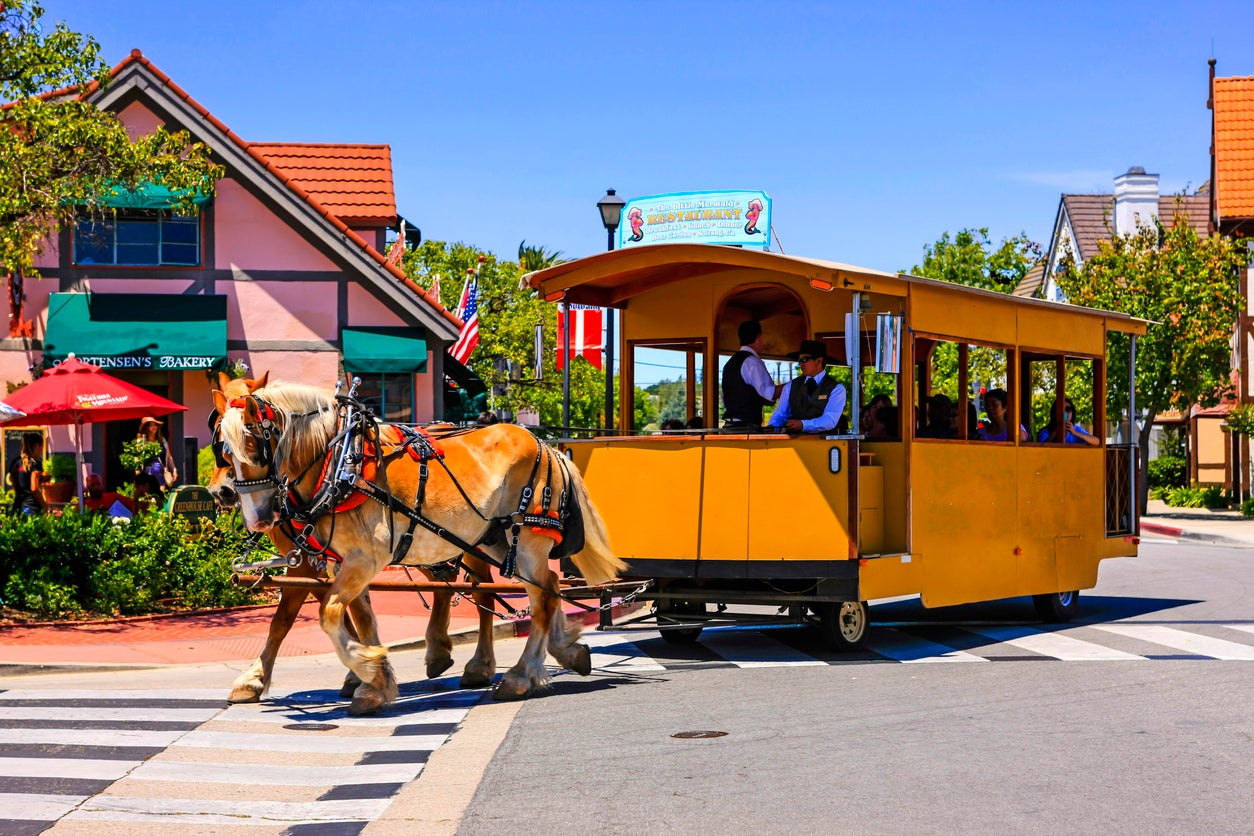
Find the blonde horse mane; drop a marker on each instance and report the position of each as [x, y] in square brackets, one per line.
[314, 408]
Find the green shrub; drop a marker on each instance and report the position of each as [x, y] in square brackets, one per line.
[1247, 507]
[1168, 472]
[84, 564]
[206, 464]
[1195, 496]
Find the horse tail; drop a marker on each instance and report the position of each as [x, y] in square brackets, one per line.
[596, 560]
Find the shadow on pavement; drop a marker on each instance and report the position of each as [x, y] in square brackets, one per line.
[1093, 609]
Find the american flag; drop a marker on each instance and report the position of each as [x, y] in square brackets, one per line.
[468, 313]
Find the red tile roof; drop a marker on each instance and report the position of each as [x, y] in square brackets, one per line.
[354, 182]
[1234, 146]
[1091, 214]
[137, 57]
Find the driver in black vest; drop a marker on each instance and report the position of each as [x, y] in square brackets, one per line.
[813, 401]
[747, 385]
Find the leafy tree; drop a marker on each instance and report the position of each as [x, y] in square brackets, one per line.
[507, 319]
[970, 259]
[1186, 286]
[59, 153]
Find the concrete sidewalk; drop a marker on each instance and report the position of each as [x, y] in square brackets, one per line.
[1201, 524]
[238, 635]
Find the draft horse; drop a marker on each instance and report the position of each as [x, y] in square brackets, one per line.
[366, 494]
[253, 683]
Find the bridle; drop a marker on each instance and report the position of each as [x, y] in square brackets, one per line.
[266, 438]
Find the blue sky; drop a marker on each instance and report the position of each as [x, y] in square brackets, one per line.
[875, 127]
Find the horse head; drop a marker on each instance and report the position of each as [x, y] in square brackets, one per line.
[221, 483]
[250, 429]
[273, 438]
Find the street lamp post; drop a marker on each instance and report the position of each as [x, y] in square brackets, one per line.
[611, 207]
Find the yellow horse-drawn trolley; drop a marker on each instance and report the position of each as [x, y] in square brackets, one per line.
[813, 526]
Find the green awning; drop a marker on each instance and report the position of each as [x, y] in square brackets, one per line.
[146, 196]
[137, 330]
[393, 350]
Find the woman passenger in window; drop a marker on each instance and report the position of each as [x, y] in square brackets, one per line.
[1072, 432]
[995, 429]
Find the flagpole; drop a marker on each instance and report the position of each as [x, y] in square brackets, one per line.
[566, 366]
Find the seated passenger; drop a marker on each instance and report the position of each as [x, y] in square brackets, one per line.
[671, 424]
[694, 423]
[884, 424]
[973, 423]
[812, 402]
[1074, 433]
[940, 415]
[868, 411]
[996, 429]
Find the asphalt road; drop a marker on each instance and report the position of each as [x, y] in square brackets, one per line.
[1134, 719]
[1028, 744]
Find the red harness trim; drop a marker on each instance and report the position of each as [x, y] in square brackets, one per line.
[554, 533]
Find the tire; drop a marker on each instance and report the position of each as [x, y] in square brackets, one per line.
[1057, 607]
[679, 610]
[843, 626]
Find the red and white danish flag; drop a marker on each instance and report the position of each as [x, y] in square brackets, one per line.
[586, 339]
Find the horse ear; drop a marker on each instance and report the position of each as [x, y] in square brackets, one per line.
[259, 383]
[219, 401]
[252, 411]
[223, 380]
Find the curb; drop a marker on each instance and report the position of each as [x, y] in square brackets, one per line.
[1184, 534]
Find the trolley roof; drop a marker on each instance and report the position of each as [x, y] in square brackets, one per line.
[612, 279]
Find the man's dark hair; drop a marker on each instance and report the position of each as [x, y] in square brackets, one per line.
[749, 331]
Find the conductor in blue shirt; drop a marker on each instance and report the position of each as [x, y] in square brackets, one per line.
[813, 401]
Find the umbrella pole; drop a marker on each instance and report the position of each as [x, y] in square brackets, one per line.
[78, 455]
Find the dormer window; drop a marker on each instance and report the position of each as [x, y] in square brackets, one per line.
[137, 237]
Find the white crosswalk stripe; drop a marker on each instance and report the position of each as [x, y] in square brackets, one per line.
[1189, 642]
[748, 649]
[903, 647]
[1057, 645]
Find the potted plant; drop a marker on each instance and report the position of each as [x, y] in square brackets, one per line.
[59, 482]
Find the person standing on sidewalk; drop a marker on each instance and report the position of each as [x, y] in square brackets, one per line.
[26, 475]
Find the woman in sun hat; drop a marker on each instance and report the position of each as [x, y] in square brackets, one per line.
[159, 473]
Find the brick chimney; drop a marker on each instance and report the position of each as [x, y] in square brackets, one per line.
[1136, 200]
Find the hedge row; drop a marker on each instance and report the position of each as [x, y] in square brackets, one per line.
[85, 565]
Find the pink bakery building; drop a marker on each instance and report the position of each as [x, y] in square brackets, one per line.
[283, 270]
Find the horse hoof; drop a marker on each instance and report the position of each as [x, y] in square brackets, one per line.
[240, 695]
[579, 660]
[474, 680]
[350, 686]
[437, 667]
[507, 690]
[365, 706]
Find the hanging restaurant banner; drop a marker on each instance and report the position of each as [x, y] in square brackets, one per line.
[741, 218]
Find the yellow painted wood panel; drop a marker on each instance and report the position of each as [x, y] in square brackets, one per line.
[1061, 330]
[965, 519]
[884, 577]
[937, 310]
[725, 485]
[649, 495]
[800, 509]
[891, 457]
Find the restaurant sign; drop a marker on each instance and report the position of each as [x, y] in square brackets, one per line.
[193, 502]
[740, 218]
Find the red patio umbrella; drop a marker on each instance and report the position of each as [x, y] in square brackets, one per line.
[79, 393]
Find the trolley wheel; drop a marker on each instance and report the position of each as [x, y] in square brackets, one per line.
[1057, 607]
[679, 610]
[844, 625]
